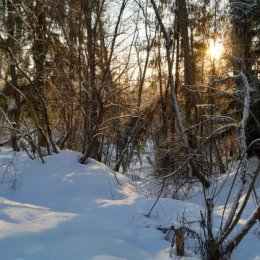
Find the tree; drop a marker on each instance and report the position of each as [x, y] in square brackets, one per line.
[40, 48]
[245, 53]
[182, 133]
[12, 28]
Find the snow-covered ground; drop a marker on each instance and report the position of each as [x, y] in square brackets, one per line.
[63, 210]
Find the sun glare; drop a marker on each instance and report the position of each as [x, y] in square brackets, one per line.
[215, 50]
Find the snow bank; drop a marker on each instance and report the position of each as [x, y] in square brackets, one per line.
[63, 210]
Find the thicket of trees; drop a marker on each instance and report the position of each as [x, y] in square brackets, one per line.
[107, 77]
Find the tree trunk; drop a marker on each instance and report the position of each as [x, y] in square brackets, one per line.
[189, 75]
[14, 85]
[179, 239]
[93, 104]
[182, 132]
[40, 49]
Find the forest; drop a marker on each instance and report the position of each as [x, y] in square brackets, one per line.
[169, 85]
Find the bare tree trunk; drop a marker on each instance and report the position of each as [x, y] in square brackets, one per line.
[40, 49]
[179, 238]
[11, 45]
[189, 77]
[182, 132]
[94, 102]
[216, 250]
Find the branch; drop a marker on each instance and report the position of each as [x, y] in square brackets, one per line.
[238, 238]
[157, 199]
[239, 214]
[232, 219]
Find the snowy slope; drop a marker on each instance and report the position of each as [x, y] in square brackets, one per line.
[62, 210]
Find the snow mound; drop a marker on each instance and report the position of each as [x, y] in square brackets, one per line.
[63, 210]
[61, 183]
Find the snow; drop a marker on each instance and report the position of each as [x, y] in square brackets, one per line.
[66, 210]
[63, 210]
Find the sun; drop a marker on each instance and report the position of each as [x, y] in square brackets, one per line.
[215, 49]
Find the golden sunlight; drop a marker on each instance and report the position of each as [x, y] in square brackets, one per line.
[215, 49]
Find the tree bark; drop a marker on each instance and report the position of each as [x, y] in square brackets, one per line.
[14, 85]
[179, 239]
[93, 103]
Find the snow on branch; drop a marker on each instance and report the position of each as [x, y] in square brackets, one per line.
[233, 243]
[233, 217]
